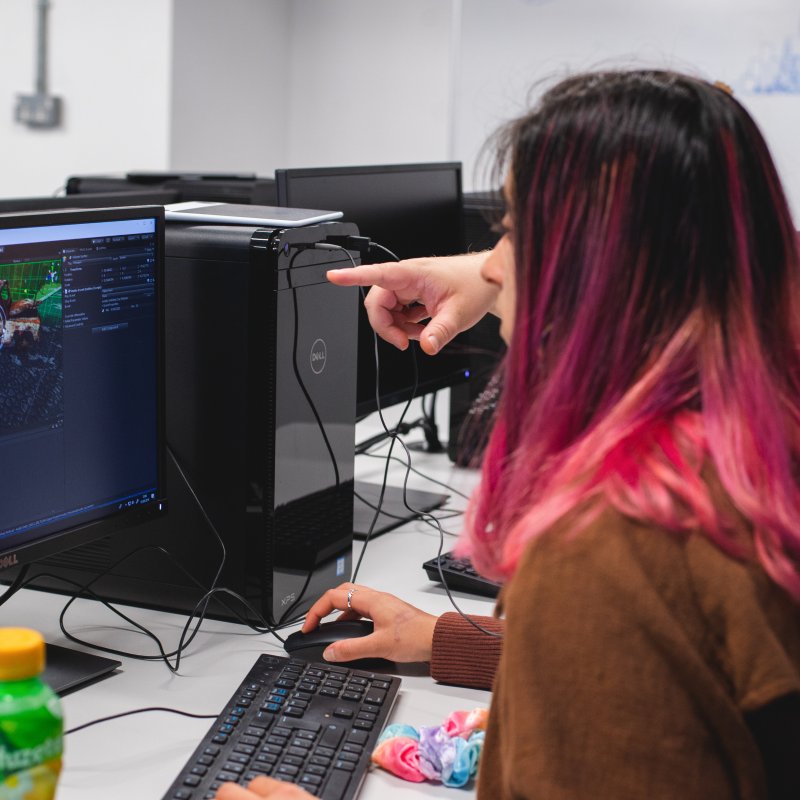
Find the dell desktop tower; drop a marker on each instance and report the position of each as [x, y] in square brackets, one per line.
[260, 357]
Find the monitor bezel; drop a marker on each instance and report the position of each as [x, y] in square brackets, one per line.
[57, 542]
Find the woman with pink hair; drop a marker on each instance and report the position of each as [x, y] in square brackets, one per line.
[640, 493]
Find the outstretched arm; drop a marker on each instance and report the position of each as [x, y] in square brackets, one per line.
[448, 291]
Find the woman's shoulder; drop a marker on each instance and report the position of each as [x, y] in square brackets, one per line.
[685, 588]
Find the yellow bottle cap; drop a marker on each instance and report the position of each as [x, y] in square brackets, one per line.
[21, 653]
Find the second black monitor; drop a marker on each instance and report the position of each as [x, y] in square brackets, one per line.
[412, 210]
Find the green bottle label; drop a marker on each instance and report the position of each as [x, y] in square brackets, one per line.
[30, 741]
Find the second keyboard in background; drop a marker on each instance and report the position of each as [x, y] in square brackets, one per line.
[459, 574]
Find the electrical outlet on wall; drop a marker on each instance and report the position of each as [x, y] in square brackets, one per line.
[38, 110]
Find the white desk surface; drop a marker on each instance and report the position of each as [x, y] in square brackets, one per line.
[138, 757]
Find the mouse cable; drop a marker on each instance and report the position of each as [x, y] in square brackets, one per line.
[199, 610]
[362, 245]
[203, 602]
[85, 590]
[423, 475]
[138, 711]
[417, 512]
[370, 504]
[435, 522]
[285, 617]
[15, 585]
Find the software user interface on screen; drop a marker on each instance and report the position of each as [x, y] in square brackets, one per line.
[79, 372]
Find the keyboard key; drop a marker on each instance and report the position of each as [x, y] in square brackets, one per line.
[357, 736]
[337, 784]
[332, 735]
[375, 697]
[304, 744]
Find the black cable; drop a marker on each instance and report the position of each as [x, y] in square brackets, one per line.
[435, 522]
[394, 437]
[330, 245]
[297, 371]
[139, 711]
[284, 618]
[15, 585]
[420, 473]
[199, 610]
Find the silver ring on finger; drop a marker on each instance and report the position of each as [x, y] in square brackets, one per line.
[350, 593]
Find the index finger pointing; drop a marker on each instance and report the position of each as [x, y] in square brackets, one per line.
[389, 276]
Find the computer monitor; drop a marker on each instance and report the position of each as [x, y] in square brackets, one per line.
[81, 379]
[413, 210]
[142, 197]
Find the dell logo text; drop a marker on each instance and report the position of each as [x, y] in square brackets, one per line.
[318, 357]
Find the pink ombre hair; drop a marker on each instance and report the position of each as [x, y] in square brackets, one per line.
[654, 365]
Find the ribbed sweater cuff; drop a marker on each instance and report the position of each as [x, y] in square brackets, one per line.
[463, 655]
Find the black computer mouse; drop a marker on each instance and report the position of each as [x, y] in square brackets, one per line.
[309, 646]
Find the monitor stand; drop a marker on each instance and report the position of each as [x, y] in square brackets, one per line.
[393, 509]
[67, 670]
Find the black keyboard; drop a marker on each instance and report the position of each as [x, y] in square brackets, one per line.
[460, 574]
[310, 724]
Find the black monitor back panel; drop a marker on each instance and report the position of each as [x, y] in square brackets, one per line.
[412, 210]
[217, 187]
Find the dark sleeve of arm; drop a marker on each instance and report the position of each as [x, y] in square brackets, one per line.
[776, 729]
[464, 655]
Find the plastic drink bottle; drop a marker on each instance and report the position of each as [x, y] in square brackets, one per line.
[31, 721]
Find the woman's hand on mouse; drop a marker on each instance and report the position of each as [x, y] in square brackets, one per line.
[262, 787]
[402, 632]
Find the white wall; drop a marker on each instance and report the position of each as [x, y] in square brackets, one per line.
[510, 45]
[369, 82]
[251, 85]
[230, 86]
[110, 61]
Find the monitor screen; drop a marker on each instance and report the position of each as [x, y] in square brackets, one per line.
[412, 210]
[81, 389]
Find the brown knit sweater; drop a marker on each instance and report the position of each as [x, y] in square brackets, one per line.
[639, 665]
[464, 655]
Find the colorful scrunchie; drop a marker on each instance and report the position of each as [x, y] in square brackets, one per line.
[448, 752]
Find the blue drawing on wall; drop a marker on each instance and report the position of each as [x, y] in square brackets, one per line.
[776, 72]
